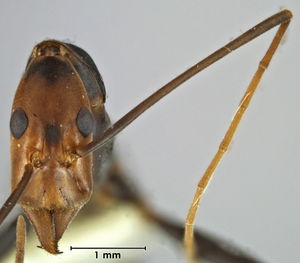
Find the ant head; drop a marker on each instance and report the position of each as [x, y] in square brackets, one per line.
[58, 107]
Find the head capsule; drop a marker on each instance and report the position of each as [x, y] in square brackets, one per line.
[58, 106]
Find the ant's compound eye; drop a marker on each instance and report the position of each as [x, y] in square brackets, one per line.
[85, 122]
[18, 123]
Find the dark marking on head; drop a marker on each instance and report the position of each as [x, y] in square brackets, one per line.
[85, 122]
[85, 72]
[18, 123]
[51, 68]
[52, 134]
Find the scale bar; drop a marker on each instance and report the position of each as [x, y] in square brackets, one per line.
[144, 248]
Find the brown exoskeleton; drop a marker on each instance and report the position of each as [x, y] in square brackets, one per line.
[54, 140]
[47, 135]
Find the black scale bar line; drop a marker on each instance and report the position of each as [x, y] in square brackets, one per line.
[144, 248]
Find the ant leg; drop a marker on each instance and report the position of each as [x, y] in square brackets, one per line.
[189, 225]
[15, 195]
[20, 239]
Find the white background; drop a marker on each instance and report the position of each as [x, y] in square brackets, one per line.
[138, 46]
